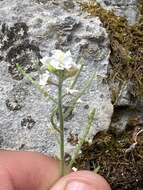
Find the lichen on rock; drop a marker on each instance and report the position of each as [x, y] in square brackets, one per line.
[36, 29]
[16, 48]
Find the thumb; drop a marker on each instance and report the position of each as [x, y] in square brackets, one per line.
[81, 180]
[5, 180]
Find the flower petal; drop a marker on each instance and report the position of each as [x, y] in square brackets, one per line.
[68, 54]
[56, 64]
[57, 54]
[45, 60]
[43, 79]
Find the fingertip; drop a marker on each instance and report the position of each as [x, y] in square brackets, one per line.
[82, 180]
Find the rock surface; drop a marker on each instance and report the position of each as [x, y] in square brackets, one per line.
[29, 30]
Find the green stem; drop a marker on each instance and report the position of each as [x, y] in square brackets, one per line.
[53, 122]
[76, 77]
[61, 118]
[83, 137]
[86, 88]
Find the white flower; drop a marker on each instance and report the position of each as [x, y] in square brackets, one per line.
[79, 101]
[71, 91]
[74, 169]
[60, 61]
[44, 78]
[45, 60]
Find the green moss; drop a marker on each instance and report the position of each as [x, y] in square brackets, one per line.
[109, 151]
[126, 44]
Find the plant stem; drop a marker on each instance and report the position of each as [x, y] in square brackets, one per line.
[61, 118]
[53, 122]
[86, 88]
[83, 137]
[76, 77]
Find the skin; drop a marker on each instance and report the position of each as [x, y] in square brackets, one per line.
[34, 171]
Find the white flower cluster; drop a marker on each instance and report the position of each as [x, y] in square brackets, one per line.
[59, 62]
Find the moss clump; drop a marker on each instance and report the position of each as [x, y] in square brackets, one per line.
[122, 169]
[126, 46]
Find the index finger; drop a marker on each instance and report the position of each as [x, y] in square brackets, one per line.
[29, 170]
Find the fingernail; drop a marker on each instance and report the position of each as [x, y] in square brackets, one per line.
[75, 185]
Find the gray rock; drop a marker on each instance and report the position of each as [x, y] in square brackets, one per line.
[123, 94]
[29, 30]
[120, 119]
